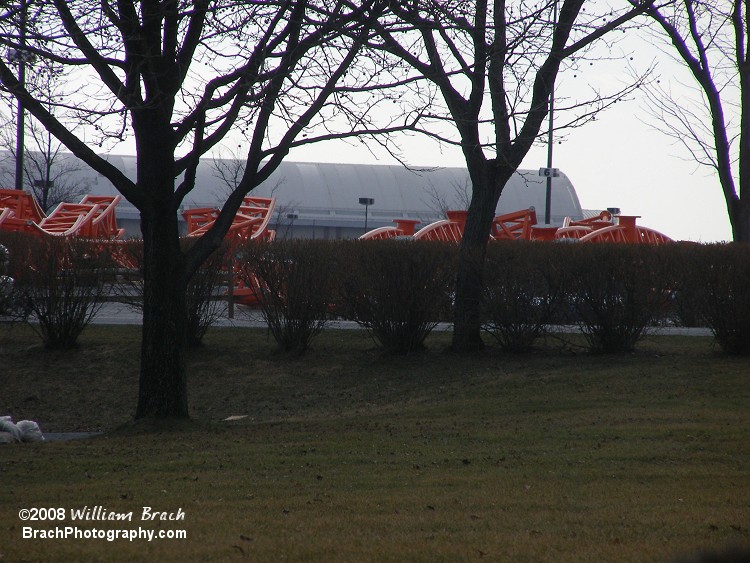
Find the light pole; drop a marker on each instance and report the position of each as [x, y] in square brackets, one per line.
[367, 202]
[292, 218]
[20, 55]
[550, 174]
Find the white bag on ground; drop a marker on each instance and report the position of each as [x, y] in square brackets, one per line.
[30, 431]
[6, 438]
[6, 425]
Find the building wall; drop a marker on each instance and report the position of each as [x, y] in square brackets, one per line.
[321, 200]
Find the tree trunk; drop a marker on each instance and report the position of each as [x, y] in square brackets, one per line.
[487, 185]
[163, 377]
[739, 216]
[467, 322]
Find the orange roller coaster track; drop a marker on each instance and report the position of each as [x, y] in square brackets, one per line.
[403, 228]
[18, 210]
[94, 217]
[449, 230]
[250, 222]
[522, 225]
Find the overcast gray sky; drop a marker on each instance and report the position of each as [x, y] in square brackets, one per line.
[619, 160]
[615, 161]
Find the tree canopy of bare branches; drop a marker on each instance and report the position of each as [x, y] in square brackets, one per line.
[711, 40]
[177, 77]
[47, 171]
[494, 65]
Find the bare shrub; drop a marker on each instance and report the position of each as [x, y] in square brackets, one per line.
[8, 301]
[294, 281]
[720, 289]
[398, 290]
[522, 288]
[61, 284]
[205, 303]
[616, 293]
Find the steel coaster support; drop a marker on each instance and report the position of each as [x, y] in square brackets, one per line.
[517, 225]
[613, 233]
[18, 211]
[403, 228]
[249, 223]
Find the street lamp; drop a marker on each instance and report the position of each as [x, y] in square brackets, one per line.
[551, 172]
[292, 218]
[20, 56]
[367, 202]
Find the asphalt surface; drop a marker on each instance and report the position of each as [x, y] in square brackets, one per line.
[113, 313]
[61, 436]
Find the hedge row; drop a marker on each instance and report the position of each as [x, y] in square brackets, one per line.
[399, 290]
[57, 281]
[60, 283]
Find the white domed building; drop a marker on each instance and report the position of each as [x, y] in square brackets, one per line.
[322, 200]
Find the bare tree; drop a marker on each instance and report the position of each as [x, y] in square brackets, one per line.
[711, 39]
[229, 172]
[179, 76]
[51, 174]
[495, 65]
[48, 172]
[441, 202]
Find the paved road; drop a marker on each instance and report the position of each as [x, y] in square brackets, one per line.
[61, 436]
[120, 314]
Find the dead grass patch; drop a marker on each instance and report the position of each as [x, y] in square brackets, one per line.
[347, 454]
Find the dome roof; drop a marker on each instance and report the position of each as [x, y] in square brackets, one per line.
[326, 194]
[332, 191]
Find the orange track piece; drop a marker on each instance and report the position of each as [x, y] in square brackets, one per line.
[105, 224]
[628, 232]
[18, 211]
[403, 228]
[574, 232]
[448, 230]
[604, 219]
[522, 225]
[650, 236]
[250, 222]
[514, 226]
[577, 229]
[613, 233]
[94, 217]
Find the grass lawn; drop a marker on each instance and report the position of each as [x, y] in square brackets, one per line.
[346, 455]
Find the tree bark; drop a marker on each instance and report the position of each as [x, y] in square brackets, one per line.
[739, 217]
[487, 184]
[163, 374]
[467, 310]
[163, 379]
